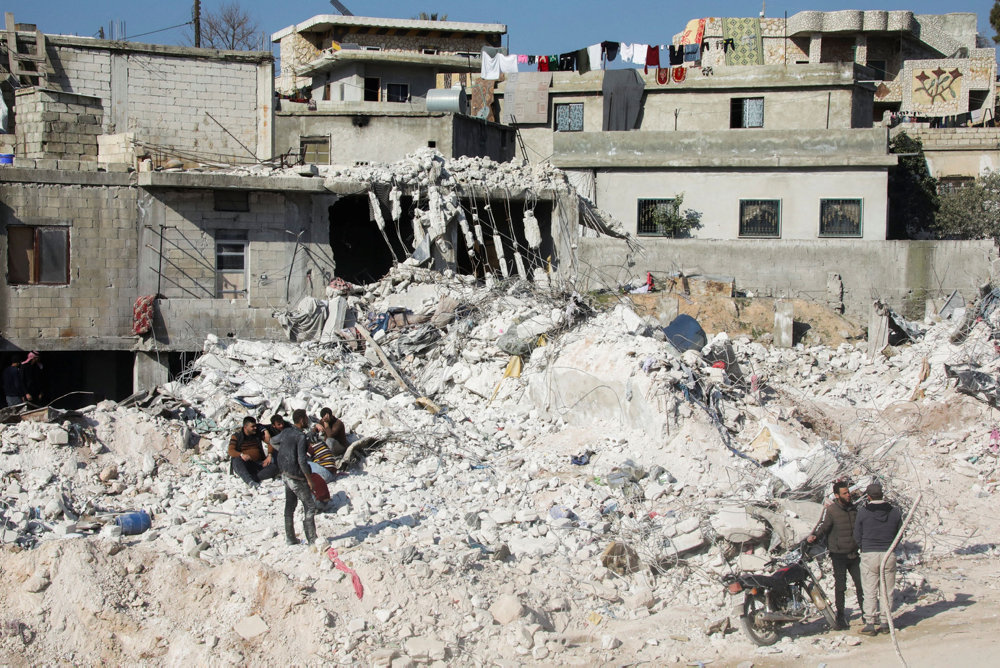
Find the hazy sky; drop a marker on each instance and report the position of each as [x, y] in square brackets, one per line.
[533, 27]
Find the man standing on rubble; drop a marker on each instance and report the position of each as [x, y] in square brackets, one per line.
[875, 530]
[836, 524]
[294, 464]
[246, 455]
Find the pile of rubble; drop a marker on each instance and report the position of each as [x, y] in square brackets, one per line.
[544, 479]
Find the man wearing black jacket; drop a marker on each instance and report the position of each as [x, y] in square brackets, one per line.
[875, 530]
[836, 524]
[290, 444]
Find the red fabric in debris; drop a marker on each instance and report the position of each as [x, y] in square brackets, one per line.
[142, 315]
[341, 566]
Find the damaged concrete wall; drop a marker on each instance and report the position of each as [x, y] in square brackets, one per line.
[287, 257]
[94, 309]
[902, 273]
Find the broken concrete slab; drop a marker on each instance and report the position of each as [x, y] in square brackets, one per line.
[784, 324]
[250, 627]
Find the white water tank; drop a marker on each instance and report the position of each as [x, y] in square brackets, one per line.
[452, 100]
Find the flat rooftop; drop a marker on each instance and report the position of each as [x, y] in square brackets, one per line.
[386, 26]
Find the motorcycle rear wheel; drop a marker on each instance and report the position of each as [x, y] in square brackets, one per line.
[823, 603]
[760, 632]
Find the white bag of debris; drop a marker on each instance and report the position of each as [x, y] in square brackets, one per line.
[305, 323]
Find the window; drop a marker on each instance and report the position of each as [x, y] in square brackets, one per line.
[230, 263]
[371, 48]
[746, 112]
[429, 52]
[315, 150]
[840, 218]
[396, 92]
[37, 255]
[569, 117]
[879, 67]
[231, 200]
[326, 93]
[948, 184]
[654, 217]
[760, 218]
[373, 87]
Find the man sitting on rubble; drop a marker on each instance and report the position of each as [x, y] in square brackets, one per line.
[321, 460]
[293, 461]
[247, 458]
[333, 430]
[836, 524]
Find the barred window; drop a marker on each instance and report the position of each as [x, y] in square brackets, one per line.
[569, 117]
[840, 218]
[760, 218]
[654, 217]
[231, 269]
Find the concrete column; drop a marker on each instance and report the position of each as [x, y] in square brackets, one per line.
[784, 325]
[861, 49]
[119, 94]
[265, 111]
[151, 369]
[816, 48]
[878, 329]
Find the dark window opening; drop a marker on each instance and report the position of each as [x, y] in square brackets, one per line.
[315, 150]
[396, 92]
[653, 217]
[977, 99]
[73, 379]
[373, 87]
[840, 217]
[231, 200]
[326, 92]
[568, 117]
[360, 253]
[879, 67]
[37, 255]
[760, 218]
[746, 112]
[432, 144]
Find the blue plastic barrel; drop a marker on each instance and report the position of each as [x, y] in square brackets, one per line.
[6, 158]
[685, 333]
[134, 523]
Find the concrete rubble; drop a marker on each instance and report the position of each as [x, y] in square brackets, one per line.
[477, 537]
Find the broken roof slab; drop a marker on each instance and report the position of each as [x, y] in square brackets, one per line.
[324, 22]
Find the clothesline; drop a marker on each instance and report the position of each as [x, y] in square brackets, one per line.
[597, 56]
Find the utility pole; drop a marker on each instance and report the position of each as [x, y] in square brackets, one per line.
[196, 18]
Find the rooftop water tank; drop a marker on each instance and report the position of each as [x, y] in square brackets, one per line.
[451, 100]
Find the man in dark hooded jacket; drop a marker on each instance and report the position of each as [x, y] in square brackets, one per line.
[836, 524]
[875, 530]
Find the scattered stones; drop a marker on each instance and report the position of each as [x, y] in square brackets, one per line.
[506, 609]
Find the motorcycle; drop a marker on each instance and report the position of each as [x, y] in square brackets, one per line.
[790, 594]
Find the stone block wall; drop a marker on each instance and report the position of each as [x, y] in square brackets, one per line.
[904, 273]
[53, 125]
[96, 305]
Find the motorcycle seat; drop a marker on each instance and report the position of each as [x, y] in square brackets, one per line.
[764, 581]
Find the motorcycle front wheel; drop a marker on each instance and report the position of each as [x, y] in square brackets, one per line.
[823, 603]
[762, 633]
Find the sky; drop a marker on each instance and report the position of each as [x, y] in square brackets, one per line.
[535, 27]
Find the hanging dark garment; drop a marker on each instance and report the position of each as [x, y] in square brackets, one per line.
[610, 50]
[582, 61]
[676, 55]
[567, 62]
[622, 92]
[652, 57]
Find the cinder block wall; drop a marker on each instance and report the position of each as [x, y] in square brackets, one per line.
[57, 126]
[165, 98]
[904, 273]
[96, 305]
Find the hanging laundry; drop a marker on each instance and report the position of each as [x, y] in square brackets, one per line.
[543, 63]
[663, 75]
[490, 50]
[531, 60]
[694, 32]
[692, 52]
[582, 61]
[622, 91]
[567, 62]
[728, 43]
[639, 53]
[705, 46]
[522, 59]
[679, 74]
[652, 58]
[594, 53]
[676, 55]
[554, 62]
[610, 50]
[508, 64]
[626, 52]
[490, 69]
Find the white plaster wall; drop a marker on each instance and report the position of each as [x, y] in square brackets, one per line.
[717, 194]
